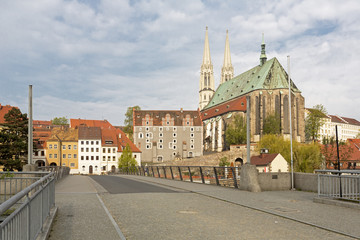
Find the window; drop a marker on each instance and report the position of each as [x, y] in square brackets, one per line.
[55, 146]
[147, 129]
[83, 168]
[92, 157]
[192, 129]
[72, 164]
[160, 129]
[160, 146]
[97, 158]
[174, 134]
[75, 155]
[174, 147]
[191, 140]
[92, 142]
[50, 146]
[161, 135]
[104, 168]
[160, 141]
[55, 155]
[87, 157]
[135, 156]
[82, 142]
[160, 158]
[104, 158]
[50, 155]
[104, 150]
[64, 164]
[108, 158]
[191, 146]
[82, 149]
[148, 146]
[92, 149]
[69, 155]
[141, 135]
[109, 150]
[191, 135]
[114, 149]
[64, 155]
[87, 142]
[96, 168]
[174, 129]
[174, 153]
[82, 157]
[87, 149]
[75, 147]
[36, 153]
[42, 153]
[97, 149]
[69, 147]
[114, 158]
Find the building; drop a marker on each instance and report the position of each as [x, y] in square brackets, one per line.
[89, 143]
[41, 133]
[112, 142]
[349, 155]
[273, 162]
[267, 87]
[166, 135]
[3, 111]
[62, 148]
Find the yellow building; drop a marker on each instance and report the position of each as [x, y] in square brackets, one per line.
[62, 148]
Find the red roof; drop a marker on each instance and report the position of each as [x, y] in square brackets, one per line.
[354, 155]
[263, 159]
[123, 140]
[90, 123]
[344, 120]
[238, 104]
[3, 111]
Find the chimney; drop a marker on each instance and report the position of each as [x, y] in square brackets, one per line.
[181, 110]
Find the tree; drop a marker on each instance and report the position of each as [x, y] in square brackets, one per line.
[306, 157]
[272, 124]
[13, 140]
[127, 161]
[314, 120]
[128, 129]
[224, 162]
[236, 132]
[60, 121]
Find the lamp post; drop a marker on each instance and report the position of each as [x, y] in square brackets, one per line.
[290, 120]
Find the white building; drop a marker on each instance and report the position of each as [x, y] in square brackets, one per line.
[89, 150]
[274, 162]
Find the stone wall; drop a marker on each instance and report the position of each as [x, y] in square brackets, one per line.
[274, 181]
[306, 181]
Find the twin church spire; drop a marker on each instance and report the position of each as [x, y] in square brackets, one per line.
[207, 84]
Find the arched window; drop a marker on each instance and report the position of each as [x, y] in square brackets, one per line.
[286, 114]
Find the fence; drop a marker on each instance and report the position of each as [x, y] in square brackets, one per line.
[222, 176]
[344, 184]
[28, 199]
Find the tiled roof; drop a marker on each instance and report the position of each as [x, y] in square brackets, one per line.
[158, 115]
[271, 75]
[238, 104]
[108, 137]
[344, 120]
[90, 123]
[123, 141]
[263, 159]
[89, 133]
[355, 152]
[3, 111]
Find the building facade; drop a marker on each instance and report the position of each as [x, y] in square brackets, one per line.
[166, 135]
[89, 150]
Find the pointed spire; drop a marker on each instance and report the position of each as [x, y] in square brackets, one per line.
[206, 57]
[263, 57]
[227, 71]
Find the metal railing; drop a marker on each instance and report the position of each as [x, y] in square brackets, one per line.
[27, 198]
[343, 184]
[221, 176]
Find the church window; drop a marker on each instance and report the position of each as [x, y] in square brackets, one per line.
[257, 115]
[286, 114]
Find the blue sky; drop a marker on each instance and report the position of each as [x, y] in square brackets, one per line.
[93, 59]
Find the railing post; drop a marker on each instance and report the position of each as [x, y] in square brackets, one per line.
[164, 171]
[216, 177]
[172, 175]
[234, 177]
[157, 169]
[28, 216]
[190, 174]
[202, 175]
[180, 174]
[152, 170]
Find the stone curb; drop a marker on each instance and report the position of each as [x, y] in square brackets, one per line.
[338, 203]
[48, 224]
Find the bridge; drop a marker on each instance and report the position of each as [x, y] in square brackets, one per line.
[139, 207]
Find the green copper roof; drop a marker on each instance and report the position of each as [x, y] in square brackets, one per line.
[269, 76]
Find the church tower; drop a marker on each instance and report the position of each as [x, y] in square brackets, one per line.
[263, 57]
[227, 71]
[207, 85]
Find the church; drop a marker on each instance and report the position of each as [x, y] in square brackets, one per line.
[267, 87]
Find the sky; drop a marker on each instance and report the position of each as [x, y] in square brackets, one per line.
[93, 59]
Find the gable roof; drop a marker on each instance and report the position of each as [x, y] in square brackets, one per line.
[263, 159]
[158, 115]
[89, 133]
[271, 75]
[345, 120]
[238, 104]
[90, 123]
